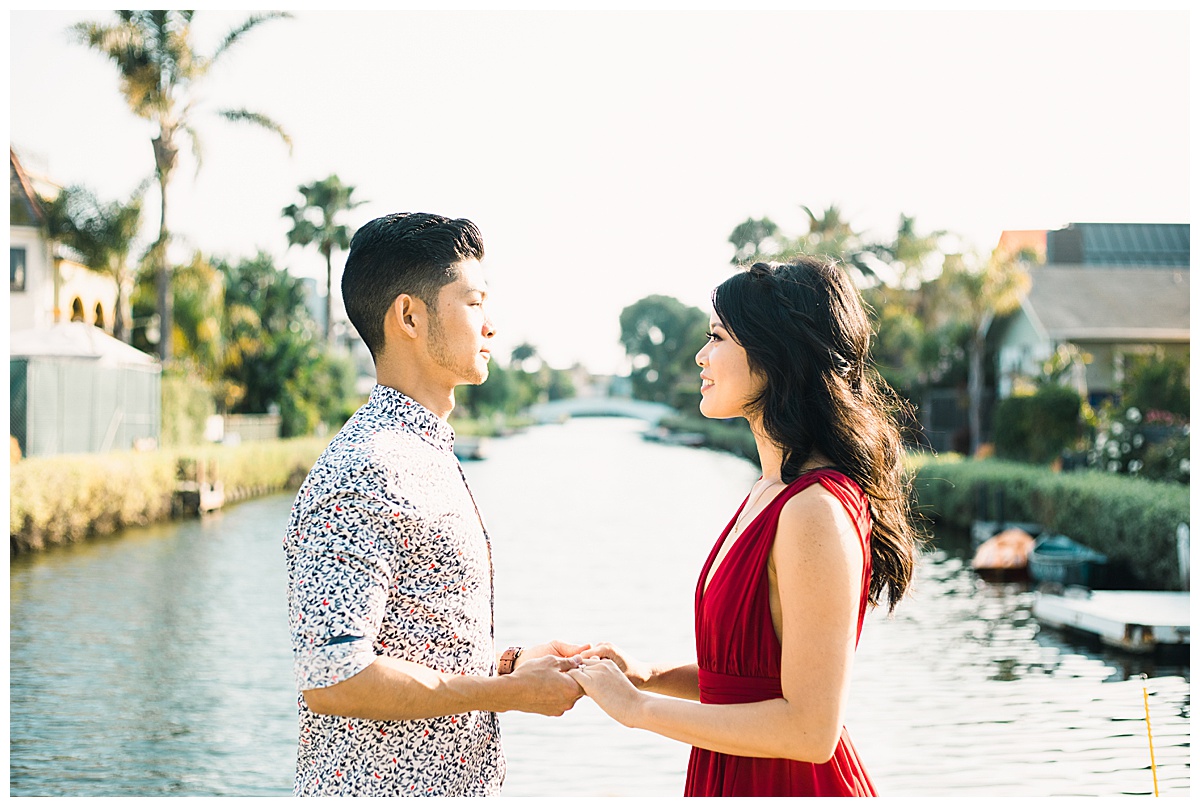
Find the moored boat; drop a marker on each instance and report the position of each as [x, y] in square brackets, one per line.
[1006, 550]
[1059, 559]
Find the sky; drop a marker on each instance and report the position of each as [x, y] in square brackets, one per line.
[607, 156]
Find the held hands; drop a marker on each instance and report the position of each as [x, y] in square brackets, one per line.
[639, 674]
[604, 683]
[540, 674]
[552, 676]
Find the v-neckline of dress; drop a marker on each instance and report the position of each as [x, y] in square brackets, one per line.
[718, 562]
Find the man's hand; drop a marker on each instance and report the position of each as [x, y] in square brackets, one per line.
[554, 647]
[541, 685]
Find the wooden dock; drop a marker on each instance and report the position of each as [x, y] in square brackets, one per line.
[1135, 621]
[198, 490]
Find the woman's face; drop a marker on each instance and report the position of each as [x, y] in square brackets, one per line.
[727, 383]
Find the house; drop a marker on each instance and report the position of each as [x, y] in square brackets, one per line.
[1107, 290]
[72, 387]
[45, 286]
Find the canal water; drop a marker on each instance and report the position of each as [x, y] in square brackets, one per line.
[157, 663]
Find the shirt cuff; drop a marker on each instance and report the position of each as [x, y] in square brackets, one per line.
[323, 666]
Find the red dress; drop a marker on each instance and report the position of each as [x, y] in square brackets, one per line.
[739, 656]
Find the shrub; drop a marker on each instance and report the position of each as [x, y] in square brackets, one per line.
[1157, 381]
[1037, 428]
[1156, 445]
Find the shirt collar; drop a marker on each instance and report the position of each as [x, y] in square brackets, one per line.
[412, 415]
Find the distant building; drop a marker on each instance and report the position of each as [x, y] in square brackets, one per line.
[1109, 290]
[45, 286]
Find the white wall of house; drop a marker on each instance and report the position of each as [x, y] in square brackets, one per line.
[30, 280]
[31, 300]
[1021, 353]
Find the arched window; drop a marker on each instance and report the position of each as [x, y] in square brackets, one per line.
[77, 310]
[100, 316]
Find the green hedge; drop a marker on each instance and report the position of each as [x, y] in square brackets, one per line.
[1133, 521]
[69, 498]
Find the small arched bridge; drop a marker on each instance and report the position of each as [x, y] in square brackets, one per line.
[557, 411]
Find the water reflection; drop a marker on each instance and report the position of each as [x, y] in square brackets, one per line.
[158, 663]
[989, 703]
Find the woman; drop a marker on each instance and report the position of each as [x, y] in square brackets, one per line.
[825, 531]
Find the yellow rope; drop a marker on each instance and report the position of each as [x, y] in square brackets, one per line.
[1150, 736]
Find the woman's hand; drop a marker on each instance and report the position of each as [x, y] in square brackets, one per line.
[603, 682]
[638, 673]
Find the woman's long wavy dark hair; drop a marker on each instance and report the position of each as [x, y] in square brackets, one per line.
[805, 329]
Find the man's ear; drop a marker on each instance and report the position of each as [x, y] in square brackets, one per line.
[407, 314]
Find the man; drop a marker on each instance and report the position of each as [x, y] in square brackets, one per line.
[389, 564]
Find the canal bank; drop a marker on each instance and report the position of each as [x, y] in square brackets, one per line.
[66, 499]
[156, 662]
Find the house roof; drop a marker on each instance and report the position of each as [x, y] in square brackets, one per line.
[24, 207]
[75, 340]
[1120, 244]
[1110, 303]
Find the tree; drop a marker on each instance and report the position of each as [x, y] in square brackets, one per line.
[103, 234]
[273, 358]
[159, 70]
[199, 312]
[661, 336]
[315, 221]
[750, 237]
[912, 257]
[978, 294]
[828, 234]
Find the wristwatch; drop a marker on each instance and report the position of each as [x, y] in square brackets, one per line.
[508, 660]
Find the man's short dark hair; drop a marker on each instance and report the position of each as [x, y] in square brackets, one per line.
[402, 253]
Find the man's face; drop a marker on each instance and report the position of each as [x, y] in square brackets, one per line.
[460, 332]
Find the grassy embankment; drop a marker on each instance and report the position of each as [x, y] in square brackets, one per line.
[69, 498]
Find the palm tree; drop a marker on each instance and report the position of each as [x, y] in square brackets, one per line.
[103, 234]
[159, 69]
[315, 221]
[983, 293]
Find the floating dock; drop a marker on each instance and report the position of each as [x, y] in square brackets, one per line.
[1135, 621]
[470, 448]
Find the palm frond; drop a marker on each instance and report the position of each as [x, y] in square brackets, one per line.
[108, 39]
[253, 21]
[197, 147]
[258, 119]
